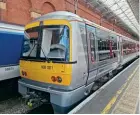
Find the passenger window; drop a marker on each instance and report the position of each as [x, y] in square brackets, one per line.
[107, 44]
[103, 44]
[128, 47]
[91, 38]
[114, 43]
[113, 46]
[102, 37]
[92, 46]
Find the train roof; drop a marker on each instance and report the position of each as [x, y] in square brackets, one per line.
[71, 16]
[11, 27]
[59, 15]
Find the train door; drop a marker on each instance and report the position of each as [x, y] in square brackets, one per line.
[92, 46]
[119, 49]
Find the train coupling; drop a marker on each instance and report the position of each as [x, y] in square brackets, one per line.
[34, 100]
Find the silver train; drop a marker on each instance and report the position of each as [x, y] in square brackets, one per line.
[66, 55]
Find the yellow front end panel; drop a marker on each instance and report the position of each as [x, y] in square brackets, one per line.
[43, 71]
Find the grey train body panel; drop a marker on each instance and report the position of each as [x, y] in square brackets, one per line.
[80, 68]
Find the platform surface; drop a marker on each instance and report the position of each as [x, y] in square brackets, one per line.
[128, 102]
[110, 98]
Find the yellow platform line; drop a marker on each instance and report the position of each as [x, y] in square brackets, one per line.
[113, 100]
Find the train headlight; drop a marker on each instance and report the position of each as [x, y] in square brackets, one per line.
[59, 79]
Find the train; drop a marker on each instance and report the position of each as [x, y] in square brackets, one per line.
[66, 56]
[11, 42]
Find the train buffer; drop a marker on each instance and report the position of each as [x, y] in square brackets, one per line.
[118, 96]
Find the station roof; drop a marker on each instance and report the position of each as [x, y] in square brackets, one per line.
[124, 13]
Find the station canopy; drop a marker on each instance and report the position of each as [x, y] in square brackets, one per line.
[124, 13]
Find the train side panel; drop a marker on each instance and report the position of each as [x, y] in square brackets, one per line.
[129, 50]
[10, 51]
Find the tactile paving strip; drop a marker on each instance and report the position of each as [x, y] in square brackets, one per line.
[128, 102]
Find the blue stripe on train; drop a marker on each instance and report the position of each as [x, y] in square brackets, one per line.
[10, 47]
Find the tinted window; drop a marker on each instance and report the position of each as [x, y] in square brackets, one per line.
[91, 38]
[103, 39]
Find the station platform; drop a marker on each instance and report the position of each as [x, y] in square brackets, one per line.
[118, 96]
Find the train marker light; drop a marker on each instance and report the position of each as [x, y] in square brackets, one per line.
[53, 78]
[25, 73]
[22, 73]
[59, 79]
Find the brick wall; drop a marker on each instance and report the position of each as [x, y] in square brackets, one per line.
[23, 11]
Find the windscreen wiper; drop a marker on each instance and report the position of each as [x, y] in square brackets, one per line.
[48, 59]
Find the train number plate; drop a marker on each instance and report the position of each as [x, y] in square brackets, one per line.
[47, 67]
[9, 68]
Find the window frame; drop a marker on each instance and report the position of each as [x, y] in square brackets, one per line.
[92, 56]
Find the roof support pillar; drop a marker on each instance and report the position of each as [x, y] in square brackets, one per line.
[76, 6]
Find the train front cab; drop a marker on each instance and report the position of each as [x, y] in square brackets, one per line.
[53, 76]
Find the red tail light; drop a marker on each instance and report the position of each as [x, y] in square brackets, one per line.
[24, 73]
[53, 78]
[58, 79]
